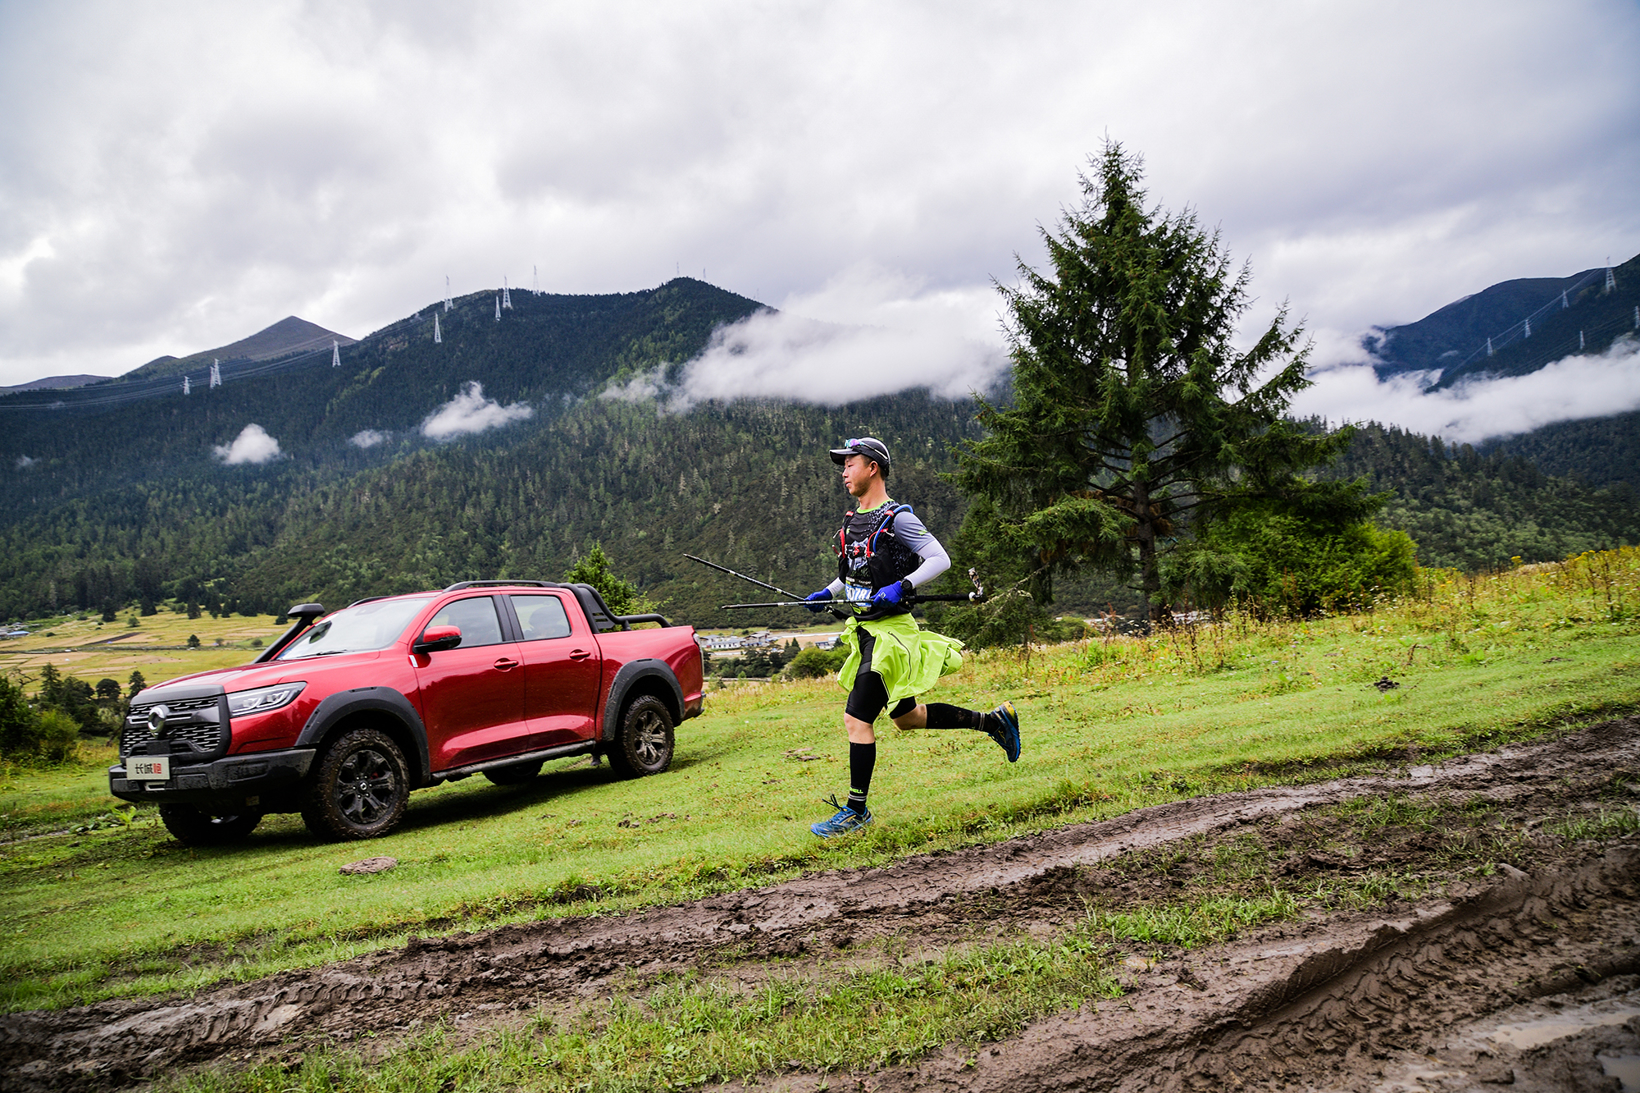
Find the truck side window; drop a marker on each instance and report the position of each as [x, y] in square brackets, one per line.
[541, 617]
[476, 618]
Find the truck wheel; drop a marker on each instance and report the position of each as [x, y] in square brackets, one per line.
[359, 789]
[517, 775]
[645, 742]
[195, 828]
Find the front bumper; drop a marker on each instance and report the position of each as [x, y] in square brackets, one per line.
[263, 779]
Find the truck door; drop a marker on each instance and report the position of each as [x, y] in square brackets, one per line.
[561, 669]
[472, 696]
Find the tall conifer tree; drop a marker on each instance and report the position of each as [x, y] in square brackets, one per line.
[1133, 414]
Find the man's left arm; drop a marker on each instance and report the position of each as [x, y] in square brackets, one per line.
[910, 530]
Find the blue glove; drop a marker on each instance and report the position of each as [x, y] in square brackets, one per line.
[894, 593]
[817, 600]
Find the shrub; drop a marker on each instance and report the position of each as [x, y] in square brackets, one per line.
[812, 663]
[56, 736]
[25, 735]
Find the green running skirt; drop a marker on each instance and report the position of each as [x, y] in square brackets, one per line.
[909, 659]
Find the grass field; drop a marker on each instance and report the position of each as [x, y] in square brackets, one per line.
[98, 902]
[83, 645]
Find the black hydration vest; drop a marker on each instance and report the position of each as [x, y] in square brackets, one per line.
[868, 553]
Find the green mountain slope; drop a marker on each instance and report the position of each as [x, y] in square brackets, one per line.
[1472, 511]
[102, 503]
[1599, 451]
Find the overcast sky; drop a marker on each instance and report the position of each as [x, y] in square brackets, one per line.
[174, 176]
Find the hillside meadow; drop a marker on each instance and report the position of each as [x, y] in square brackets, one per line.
[100, 902]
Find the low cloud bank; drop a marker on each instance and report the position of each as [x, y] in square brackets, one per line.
[252, 445]
[470, 412]
[24, 462]
[367, 438]
[868, 332]
[1567, 390]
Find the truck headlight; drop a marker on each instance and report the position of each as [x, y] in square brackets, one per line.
[263, 699]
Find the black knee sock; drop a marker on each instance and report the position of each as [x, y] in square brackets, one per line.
[941, 716]
[862, 758]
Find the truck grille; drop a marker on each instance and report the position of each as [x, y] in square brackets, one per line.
[198, 721]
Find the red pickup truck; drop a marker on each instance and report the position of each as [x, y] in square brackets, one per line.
[346, 713]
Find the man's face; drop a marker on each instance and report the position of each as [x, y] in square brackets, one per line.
[858, 472]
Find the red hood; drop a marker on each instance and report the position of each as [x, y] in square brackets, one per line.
[247, 677]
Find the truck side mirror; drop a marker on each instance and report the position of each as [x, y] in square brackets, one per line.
[435, 638]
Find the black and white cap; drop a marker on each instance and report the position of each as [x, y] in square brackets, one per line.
[868, 446]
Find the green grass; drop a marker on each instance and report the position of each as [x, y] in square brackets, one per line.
[120, 909]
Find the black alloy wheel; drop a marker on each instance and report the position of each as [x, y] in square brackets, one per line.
[194, 827]
[518, 774]
[645, 743]
[359, 789]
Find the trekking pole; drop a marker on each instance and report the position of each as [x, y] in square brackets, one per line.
[796, 600]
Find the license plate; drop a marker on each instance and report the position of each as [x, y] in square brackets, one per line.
[146, 768]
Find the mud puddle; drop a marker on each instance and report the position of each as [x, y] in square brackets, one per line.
[1508, 914]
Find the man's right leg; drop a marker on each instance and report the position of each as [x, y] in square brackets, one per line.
[865, 702]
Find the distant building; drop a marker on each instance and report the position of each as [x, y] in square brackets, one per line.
[717, 643]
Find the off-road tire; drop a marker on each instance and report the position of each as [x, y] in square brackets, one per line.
[359, 788]
[644, 744]
[192, 827]
[518, 774]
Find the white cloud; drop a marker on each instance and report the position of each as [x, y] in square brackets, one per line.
[367, 438]
[252, 445]
[471, 412]
[25, 462]
[1569, 389]
[866, 332]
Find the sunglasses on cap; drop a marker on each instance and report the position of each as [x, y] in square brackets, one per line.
[868, 446]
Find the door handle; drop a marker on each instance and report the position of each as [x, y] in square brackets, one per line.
[578, 654]
[506, 663]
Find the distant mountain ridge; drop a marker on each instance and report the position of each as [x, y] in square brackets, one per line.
[55, 383]
[289, 335]
[1448, 335]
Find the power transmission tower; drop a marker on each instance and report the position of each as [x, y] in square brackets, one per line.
[216, 372]
[498, 309]
[335, 353]
[506, 295]
[187, 388]
[446, 293]
[438, 335]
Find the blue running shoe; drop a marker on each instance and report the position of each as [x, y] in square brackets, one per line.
[845, 821]
[1006, 734]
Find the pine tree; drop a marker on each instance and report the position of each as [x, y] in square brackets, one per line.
[1134, 416]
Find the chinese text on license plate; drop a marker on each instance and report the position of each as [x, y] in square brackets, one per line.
[146, 767]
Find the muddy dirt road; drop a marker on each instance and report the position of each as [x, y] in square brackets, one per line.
[1523, 970]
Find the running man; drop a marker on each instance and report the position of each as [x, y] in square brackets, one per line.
[883, 553]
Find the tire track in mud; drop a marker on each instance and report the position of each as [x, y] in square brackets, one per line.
[1290, 996]
[1322, 1011]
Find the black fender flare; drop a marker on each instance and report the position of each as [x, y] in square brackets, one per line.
[368, 699]
[632, 673]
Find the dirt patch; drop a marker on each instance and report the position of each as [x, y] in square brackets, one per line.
[1514, 908]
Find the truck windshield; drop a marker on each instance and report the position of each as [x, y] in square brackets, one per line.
[357, 629]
